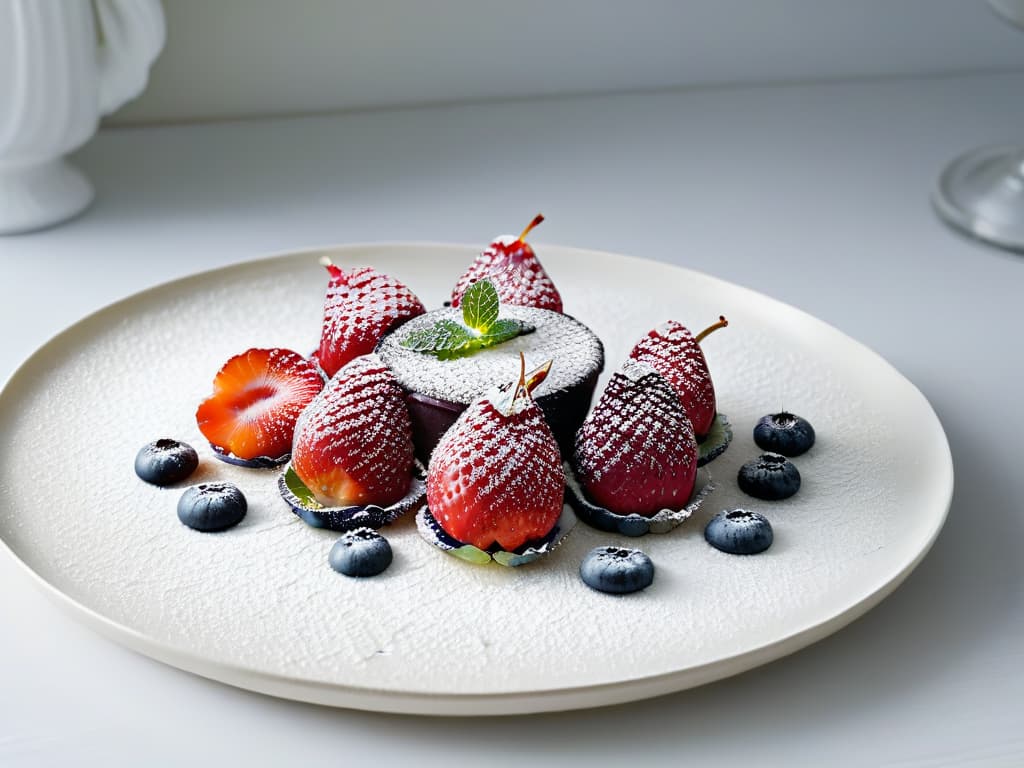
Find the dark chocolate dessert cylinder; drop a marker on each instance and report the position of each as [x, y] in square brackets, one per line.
[437, 391]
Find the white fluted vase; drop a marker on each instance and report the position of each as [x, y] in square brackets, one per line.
[63, 64]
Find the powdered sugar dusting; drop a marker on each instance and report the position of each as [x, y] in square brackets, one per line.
[513, 268]
[495, 478]
[871, 484]
[359, 308]
[576, 351]
[671, 350]
[357, 430]
[636, 452]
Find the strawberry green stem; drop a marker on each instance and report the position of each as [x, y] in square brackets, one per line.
[536, 220]
[722, 323]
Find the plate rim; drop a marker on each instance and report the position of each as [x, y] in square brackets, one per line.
[476, 704]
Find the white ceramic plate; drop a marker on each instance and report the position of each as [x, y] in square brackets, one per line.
[258, 606]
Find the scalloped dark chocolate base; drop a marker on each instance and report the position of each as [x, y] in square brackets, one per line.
[716, 441]
[356, 516]
[434, 534]
[260, 462]
[633, 525]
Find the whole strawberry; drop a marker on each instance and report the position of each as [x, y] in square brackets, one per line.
[496, 476]
[512, 266]
[361, 306]
[353, 444]
[636, 452]
[675, 353]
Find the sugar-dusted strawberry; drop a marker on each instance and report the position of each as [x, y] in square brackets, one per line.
[675, 353]
[496, 476]
[512, 266]
[636, 453]
[257, 398]
[353, 444]
[361, 306]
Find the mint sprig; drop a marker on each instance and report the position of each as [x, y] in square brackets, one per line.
[480, 327]
[480, 304]
[443, 335]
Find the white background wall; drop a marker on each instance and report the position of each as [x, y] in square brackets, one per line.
[230, 58]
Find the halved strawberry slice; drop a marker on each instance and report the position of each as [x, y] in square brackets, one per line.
[257, 398]
[361, 306]
[514, 270]
[636, 453]
[675, 353]
[496, 476]
[353, 444]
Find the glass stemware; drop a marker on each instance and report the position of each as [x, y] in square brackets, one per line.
[981, 192]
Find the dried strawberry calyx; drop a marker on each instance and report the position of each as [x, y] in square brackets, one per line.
[480, 327]
[722, 323]
[529, 227]
[514, 395]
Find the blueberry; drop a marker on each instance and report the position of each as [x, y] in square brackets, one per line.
[211, 506]
[616, 570]
[739, 532]
[166, 461]
[362, 552]
[784, 433]
[770, 477]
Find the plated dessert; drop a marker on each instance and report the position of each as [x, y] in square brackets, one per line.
[477, 416]
[769, 357]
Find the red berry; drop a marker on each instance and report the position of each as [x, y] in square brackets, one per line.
[514, 270]
[353, 444]
[361, 306]
[636, 453]
[257, 398]
[672, 351]
[496, 476]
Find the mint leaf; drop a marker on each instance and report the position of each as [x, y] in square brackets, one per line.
[443, 336]
[480, 306]
[503, 330]
[447, 338]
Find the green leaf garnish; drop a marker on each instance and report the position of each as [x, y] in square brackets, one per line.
[300, 489]
[471, 554]
[504, 558]
[445, 335]
[480, 306]
[503, 330]
[480, 328]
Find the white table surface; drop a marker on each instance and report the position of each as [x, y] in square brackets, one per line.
[816, 195]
